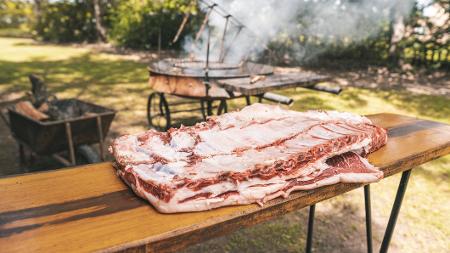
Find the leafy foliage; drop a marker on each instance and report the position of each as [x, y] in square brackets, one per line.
[146, 24]
[67, 21]
[15, 14]
[141, 23]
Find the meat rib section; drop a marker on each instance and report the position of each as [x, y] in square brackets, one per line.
[250, 156]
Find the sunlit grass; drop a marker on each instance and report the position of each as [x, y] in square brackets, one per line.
[113, 81]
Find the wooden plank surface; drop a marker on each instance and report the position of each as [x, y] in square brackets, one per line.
[90, 209]
[271, 82]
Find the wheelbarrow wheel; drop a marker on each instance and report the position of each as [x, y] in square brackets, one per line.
[158, 114]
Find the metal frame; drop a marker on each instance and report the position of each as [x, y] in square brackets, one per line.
[206, 107]
[367, 204]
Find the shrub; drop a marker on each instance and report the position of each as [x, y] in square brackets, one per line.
[66, 21]
[138, 23]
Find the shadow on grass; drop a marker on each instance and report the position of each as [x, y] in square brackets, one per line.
[354, 98]
[440, 173]
[420, 104]
[312, 103]
[76, 73]
[288, 233]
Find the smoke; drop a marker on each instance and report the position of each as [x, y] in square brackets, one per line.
[290, 22]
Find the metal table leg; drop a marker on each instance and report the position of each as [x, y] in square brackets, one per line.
[395, 211]
[312, 209]
[368, 218]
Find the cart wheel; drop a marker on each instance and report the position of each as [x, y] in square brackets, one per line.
[158, 114]
[85, 154]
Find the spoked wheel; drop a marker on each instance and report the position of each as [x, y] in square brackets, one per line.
[158, 114]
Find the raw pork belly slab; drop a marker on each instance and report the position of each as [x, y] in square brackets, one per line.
[250, 156]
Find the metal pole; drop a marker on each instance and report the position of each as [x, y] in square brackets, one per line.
[309, 237]
[222, 43]
[234, 38]
[395, 210]
[209, 107]
[159, 42]
[181, 28]
[368, 208]
[70, 143]
[202, 108]
[207, 85]
[247, 100]
[205, 22]
[100, 138]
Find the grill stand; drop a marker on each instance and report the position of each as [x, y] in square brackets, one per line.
[367, 204]
[158, 109]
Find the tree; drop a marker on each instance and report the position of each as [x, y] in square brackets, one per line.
[101, 31]
[37, 8]
[397, 31]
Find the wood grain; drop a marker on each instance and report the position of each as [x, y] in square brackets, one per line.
[89, 209]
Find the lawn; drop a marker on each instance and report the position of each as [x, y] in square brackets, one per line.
[119, 81]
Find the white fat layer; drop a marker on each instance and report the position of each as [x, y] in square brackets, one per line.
[255, 126]
[181, 140]
[246, 188]
[268, 190]
[256, 194]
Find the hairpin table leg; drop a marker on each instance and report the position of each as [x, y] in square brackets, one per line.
[368, 218]
[395, 210]
[312, 209]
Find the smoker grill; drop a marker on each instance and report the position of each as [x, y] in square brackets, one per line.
[218, 82]
[207, 81]
[190, 79]
[54, 137]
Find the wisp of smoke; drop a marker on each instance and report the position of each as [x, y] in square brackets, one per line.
[268, 20]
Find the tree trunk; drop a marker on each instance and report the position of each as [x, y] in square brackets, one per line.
[101, 31]
[397, 34]
[37, 8]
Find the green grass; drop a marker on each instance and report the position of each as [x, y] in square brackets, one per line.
[120, 83]
[15, 33]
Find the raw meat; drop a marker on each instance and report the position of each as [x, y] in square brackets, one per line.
[250, 156]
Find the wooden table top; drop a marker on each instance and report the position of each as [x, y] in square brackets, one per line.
[271, 82]
[90, 209]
